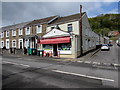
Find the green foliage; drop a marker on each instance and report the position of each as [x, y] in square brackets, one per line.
[105, 23]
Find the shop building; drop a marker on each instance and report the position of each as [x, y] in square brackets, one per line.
[63, 37]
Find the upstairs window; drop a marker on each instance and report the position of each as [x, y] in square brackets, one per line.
[27, 30]
[69, 28]
[7, 33]
[2, 35]
[13, 32]
[39, 29]
[20, 31]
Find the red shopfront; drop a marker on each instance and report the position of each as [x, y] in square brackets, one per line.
[57, 44]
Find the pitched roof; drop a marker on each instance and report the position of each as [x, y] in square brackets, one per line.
[20, 25]
[39, 21]
[66, 19]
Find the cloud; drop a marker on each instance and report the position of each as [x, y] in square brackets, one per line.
[17, 12]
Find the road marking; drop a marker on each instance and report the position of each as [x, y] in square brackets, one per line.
[10, 62]
[16, 63]
[25, 65]
[88, 62]
[92, 77]
[80, 61]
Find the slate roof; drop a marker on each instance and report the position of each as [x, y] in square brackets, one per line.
[20, 25]
[66, 19]
[41, 21]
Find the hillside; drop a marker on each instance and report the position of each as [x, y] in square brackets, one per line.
[104, 23]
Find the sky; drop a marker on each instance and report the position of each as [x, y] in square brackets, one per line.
[17, 12]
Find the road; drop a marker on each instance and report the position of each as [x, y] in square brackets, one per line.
[106, 56]
[25, 73]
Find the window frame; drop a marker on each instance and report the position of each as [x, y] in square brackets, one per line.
[2, 34]
[1, 44]
[13, 43]
[69, 26]
[40, 28]
[26, 32]
[7, 33]
[13, 32]
[20, 31]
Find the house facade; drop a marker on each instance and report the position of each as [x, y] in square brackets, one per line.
[63, 37]
[59, 36]
[16, 38]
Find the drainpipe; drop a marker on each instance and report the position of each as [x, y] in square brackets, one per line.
[81, 43]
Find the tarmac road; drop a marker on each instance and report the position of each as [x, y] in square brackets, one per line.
[30, 74]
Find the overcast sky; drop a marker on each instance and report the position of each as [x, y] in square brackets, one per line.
[17, 12]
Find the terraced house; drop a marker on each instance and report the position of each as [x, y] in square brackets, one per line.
[16, 37]
[59, 36]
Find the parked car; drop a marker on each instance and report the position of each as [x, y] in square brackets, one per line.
[105, 47]
[110, 44]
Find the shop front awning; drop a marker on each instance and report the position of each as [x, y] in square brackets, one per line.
[55, 40]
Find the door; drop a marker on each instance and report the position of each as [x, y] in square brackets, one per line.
[20, 43]
[55, 50]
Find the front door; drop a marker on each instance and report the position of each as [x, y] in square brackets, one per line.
[55, 50]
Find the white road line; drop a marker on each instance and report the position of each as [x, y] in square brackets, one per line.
[92, 77]
[88, 62]
[16, 63]
[10, 62]
[25, 65]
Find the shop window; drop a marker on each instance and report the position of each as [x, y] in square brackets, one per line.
[64, 46]
[47, 46]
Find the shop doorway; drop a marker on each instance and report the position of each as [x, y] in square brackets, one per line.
[55, 50]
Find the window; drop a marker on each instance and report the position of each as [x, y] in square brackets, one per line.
[47, 46]
[2, 44]
[7, 33]
[13, 32]
[13, 43]
[39, 29]
[7, 43]
[69, 28]
[27, 30]
[64, 46]
[2, 35]
[20, 31]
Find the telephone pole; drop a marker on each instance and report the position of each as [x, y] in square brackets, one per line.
[81, 43]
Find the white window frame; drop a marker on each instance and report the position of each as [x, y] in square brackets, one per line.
[19, 43]
[26, 32]
[69, 25]
[20, 31]
[39, 29]
[1, 44]
[13, 32]
[13, 43]
[7, 33]
[7, 46]
[2, 34]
